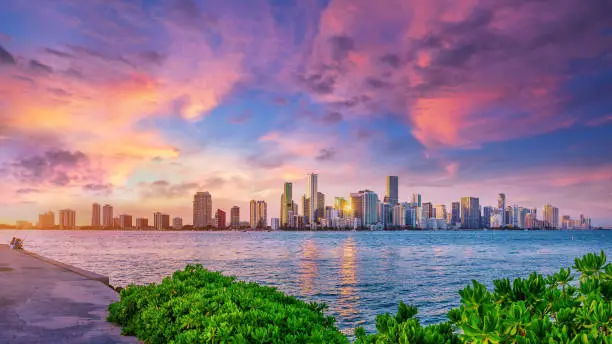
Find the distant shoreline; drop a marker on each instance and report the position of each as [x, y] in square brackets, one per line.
[301, 230]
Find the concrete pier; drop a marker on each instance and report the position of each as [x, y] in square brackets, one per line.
[44, 301]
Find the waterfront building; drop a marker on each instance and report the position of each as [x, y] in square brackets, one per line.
[177, 223]
[487, 212]
[202, 209]
[95, 215]
[515, 216]
[456, 213]
[470, 213]
[107, 216]
[392, 194]
[551, 217]
[125, 221]
[116, 222]
[399, 214]
[306, 209]
[67, 219]
[427, 211]
[46, 220]
[508, 215]
[441, 212]
[312, 195]
[275, 223]
[258, 214]
[340, 205]
[142, 223]
[320, 211]
[565, 222]
[385, 214]
[286, 203]
[235, 216]
[161, 221]
[220, 219]
[522, 216]
[331, 215]
[292, 215]
[501, 204]
[495, 221]
[370, 207]
[356, 205]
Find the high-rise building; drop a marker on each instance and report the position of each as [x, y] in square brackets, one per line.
[116, 222]
[551, 217]
[67, 219]
[455, 213]
[202, 209]
[275, 223]
[427, 211]
[312, 194]
[392, 194]
[107, 216]
[142, 223]
[220, 218]
[487, 212]
[385, 214]
[441, 212]
[161, 221]
[306, 209]
[399, 215]
[416, 198]
[46, 220]
[508, 215]
[177, 223]
[320, 206]
[235, 216]
[370, 207]
[286, 203]
[501, 204]
[470, 212]
[125, 221]
[340, 206]
[95, 215]
[259, 214]
[357, 206]
[522, 216]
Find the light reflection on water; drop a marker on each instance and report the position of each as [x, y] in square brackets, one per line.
[358, 274]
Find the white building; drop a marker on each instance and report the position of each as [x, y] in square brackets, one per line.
[67, 219]
[275, 222]
[312, 195]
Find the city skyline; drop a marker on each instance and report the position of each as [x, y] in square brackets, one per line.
[142, 104]
[365, 207]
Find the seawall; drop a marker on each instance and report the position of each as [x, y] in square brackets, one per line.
[46, 301]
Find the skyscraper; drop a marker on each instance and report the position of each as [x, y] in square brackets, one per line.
[320, 206]
[357, 205]
[95, 215]
[441, 212]
[67, 219]
[455, 213]
[470, 213]
[370, 207]
[46, 220]
[107, 216]
[501, 204]
[258, 214]
[340, 206]
[551, 217]
[427, 211]
[142, 223]
[306, 209]
[286, 203]
[312, 195]
[177, 223]
[202, 209]
[487, 212]
[391, 195]
[161, 221]
[235, 216]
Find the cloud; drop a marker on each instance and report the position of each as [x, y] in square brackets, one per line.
[27, 191]
[6, 57]
[39, 67]
[332, 118]
[242, 118]
[54, 167]
[104, 189]
[326, 154]
[165, 189]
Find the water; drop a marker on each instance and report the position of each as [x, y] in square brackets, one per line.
[358, 274]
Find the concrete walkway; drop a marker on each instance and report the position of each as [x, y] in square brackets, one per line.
[43, 301]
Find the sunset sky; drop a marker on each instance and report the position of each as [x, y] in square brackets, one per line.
[142, 103]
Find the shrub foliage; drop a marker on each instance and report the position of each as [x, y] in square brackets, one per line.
[198, 306]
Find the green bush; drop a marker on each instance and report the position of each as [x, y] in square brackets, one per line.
[554, 309]
[198, 306]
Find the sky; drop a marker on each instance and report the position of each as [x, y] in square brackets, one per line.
[141, 104]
